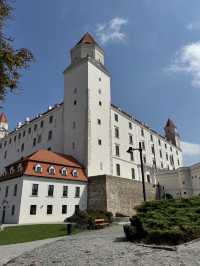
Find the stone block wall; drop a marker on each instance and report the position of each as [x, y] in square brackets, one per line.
[116, 194]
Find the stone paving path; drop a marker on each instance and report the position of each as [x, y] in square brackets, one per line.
[107, 247]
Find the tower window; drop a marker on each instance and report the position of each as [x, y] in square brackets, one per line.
[117, 150]
[99, 142]
[133, 173]
[118, 169]
[130, 139]
[50, 119]
[116, 132]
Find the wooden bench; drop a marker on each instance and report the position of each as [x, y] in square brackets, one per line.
[100, 223]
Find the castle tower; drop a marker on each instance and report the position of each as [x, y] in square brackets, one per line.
[3, 125]
[171, 133]
[87, 99]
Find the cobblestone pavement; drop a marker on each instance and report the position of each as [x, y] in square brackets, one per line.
[107, 247]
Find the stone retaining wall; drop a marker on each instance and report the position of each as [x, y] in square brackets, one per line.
[116, 194]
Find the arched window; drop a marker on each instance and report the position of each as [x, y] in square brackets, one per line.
[38, 168]
[64, 171]
[52, 170]
[74, 172]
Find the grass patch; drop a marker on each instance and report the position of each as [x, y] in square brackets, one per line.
[27, 233]
[165, 222]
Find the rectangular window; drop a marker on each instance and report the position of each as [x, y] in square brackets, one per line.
[34, 141]
[130, 125]
[167, 157]
[39, 138]
[131, 156]
[159, 142]
[15, 190]
[77, 192]
[76, 209]
[50, 190]
[49, 209]
[65, 191]
[116, 117]
[50, 135]
[50, 119]
[5, 154]
[142, 132]
[35, 127]
[117, 153]
[99, 142]
[152, 149]
[33, 209]
[22, 147]
[143, 145]
[133, 173]
[34, 189]
[160, 154]
[151, 137]
[73, 145]
[130, 139]
[64, 209]
[29, 130]
[13, 210]
[116, 132]
[24, 133]
[74, 125]
[42, 124]
[6, 192]
[144, 159]
[118, 169]
[99, 121]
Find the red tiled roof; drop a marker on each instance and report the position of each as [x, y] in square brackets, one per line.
[87, 39]
[46, 159]
[3, 118]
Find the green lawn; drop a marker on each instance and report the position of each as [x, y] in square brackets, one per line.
[166, 222]
[26, 233]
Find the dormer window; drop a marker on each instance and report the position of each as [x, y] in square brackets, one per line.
[52, 170]
[38, 168]
[74, 172]
[64, 171]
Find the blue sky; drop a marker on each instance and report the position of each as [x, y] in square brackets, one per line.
[152, 50]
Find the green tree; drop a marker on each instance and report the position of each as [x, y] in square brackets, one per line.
[12, 61]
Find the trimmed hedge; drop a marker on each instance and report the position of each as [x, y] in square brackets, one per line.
[165, 222]
[86, 219]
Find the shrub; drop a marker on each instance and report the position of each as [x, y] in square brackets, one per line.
[86, 219]
[165, 221]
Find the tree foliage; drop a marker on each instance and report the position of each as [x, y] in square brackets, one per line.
[11, 61]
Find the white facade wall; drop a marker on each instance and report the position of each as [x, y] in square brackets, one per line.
[24, 199]
[10, 200]
[11, 149]
[123, 141]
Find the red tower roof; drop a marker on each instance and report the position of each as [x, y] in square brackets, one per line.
[170, 123]
[87, 39]
[3, 118]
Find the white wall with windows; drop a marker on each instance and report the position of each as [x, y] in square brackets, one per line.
[45, 131]
[127, 132]
[40, 200]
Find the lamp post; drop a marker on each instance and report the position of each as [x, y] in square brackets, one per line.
[130, 150]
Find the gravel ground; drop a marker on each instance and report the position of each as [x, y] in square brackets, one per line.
[107, 247]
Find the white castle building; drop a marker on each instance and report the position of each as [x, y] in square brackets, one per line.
[88, 127]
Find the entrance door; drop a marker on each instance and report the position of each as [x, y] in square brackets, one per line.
[3, 215]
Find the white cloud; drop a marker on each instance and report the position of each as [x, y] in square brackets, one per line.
[187, 60]
[111, 30]
[190, 149]
[193, 26]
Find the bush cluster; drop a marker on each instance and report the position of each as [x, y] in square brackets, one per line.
[165, 222]
[86, 219]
